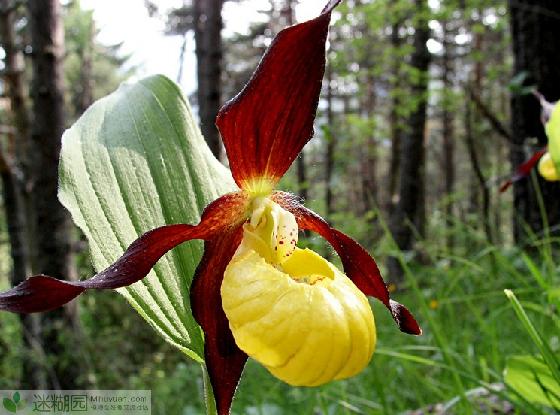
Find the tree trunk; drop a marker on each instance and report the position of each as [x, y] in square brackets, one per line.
[482, 185]
[447, 134]
[208, 39]
[394, 121]
[411, 188]
[182, 58]
[368, 153]
[10, 169]
[14, 173]
[368, 108]
[85, 98]
[301, 176]
[474, 206]
[331, 145]
[53, 241]
[535, 31]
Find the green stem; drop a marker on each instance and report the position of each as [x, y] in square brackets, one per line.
[209, 400]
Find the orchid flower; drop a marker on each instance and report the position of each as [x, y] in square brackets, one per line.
[255, 293]
[549, 164]
[546, 159]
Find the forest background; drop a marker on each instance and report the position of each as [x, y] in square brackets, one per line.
[427, 107]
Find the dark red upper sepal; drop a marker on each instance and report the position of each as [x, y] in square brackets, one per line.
[524, 169]
[224, 360]
[43, 293]
[359, 266]
[267, 124]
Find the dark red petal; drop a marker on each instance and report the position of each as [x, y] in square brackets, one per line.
[43, 293]
[524, 169]
[39, 293]
[267, 124]
[359, 266]
[224, 360]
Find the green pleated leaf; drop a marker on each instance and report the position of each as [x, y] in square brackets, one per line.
[134, 161]
[533, 380]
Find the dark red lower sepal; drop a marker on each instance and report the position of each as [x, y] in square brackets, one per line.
[224, 360]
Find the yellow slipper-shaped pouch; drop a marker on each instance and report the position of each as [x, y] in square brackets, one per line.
[292, 310]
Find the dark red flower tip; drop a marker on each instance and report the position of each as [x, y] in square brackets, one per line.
[524, 169]
[43, 293]
[267, 124]
[359, 266]
[39, 293]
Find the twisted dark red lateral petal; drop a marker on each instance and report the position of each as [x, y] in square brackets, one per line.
[224, 360]
[43, 293]
[524, 169]
[359, 266]
[267, 124]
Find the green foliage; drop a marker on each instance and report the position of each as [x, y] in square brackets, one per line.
[10, 328]
[532, 379]
[547, 354]
[517, 87]
[10, 350]
[135, 161]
